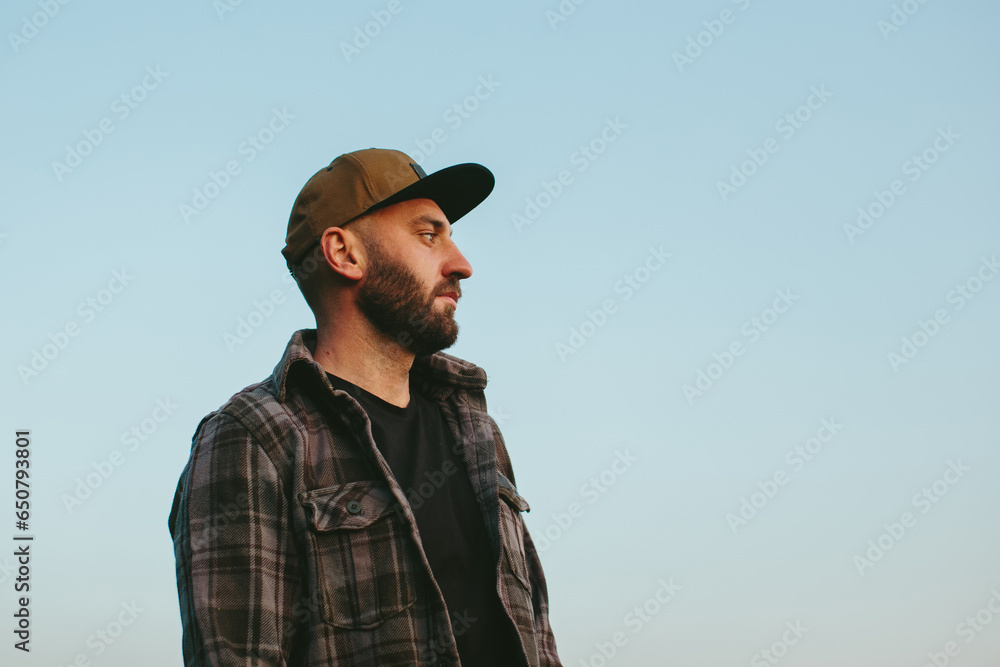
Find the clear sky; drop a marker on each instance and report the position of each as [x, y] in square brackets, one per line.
[735, 292]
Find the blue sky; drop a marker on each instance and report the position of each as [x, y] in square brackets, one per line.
[736, 139]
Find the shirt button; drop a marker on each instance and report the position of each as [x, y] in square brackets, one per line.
[353, 506]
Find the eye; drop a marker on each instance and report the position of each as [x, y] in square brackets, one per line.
[432, 235]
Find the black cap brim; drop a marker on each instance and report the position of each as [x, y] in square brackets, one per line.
[456, 190]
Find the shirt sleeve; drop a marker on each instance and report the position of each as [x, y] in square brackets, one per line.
[237, 568]
[547, 654]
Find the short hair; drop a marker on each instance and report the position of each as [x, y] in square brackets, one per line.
[311, 273]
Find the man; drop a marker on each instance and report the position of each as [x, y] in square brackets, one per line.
[358, 507]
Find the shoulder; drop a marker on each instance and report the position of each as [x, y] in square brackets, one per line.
[256, 412]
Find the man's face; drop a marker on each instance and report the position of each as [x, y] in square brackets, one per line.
[411, 287]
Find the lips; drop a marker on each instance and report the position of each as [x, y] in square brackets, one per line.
[452, 297]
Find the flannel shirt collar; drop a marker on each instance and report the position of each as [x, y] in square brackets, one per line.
[439, 373]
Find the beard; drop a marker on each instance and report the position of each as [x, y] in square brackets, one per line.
[392, 299]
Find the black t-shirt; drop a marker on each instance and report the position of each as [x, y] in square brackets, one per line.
[420, 451]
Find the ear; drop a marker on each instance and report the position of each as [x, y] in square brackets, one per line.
[341, 251]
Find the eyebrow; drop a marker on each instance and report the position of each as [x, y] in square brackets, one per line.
[431, 220]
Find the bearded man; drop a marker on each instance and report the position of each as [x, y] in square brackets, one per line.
[358, 506]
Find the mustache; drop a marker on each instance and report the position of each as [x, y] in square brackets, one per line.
[450, 289]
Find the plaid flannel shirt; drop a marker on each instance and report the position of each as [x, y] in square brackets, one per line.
[295, 545]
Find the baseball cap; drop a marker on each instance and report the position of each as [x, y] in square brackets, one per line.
[364, 181]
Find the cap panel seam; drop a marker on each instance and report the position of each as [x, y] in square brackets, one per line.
[366, 180]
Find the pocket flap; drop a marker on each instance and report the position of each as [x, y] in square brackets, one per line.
[348, 506]
[509, 493]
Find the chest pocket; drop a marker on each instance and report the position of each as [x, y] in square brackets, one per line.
[362, 554]
[512, 530]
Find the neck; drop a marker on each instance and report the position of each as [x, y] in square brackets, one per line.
[353, 350]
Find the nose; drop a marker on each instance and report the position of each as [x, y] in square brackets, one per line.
[456, 264]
